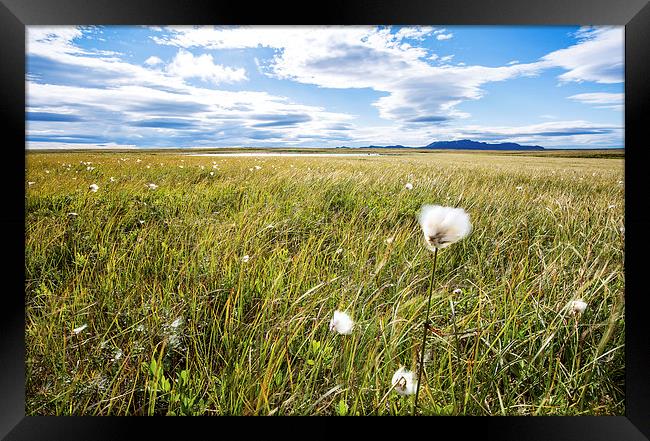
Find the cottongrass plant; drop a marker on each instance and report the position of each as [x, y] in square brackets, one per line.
[341, 323]
[441, 226]
[404, 382]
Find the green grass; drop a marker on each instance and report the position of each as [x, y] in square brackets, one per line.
[253, 336]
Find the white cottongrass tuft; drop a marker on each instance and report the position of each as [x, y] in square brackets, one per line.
[577, 306]
[341, 323]
[152, 186]
[257, 167]
[390, 240]
[79, 329]
[409, 186]
[404, 382]
[339, 250]
[112, 179]
[211, 173]
[246, 258]
[443, 226]
[93, 187]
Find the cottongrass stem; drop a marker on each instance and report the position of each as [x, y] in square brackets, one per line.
[424, 331]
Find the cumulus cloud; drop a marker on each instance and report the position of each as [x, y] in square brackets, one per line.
[444, 36]
[152, 61]
[186, 65]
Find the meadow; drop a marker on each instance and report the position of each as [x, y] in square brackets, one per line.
[210, 292]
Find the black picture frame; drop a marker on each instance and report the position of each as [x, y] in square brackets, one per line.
[633, 14]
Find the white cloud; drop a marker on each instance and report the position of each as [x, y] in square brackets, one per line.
[420, 98]
[186, 65]
[74, 146]
[510, 63]
[599, 98]
[416, 32]
[360, 57]
[598, 56]
[152, 61]
[444, 36]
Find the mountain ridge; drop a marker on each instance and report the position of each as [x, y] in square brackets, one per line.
[461, 144]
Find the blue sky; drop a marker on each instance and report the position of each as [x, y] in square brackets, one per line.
[137, 86]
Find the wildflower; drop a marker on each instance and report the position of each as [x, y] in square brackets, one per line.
[257, 167]
[409, 186]
[403, 382]
[148, 166]
[152, 186]
[339, 250]
[112, 179]
[72, 213]
[140, 328]
[341, 323]
[443, 226]
[620, 182]
[211, 173]
[390, 240]
[519, 188]
[118, 354]
[246, 258]
[622, 230]
[214, 166]
[611, 206]
[180, 166]
[30, 183]
[577, 306]
[93, 187]
[90, 168]
[176, 323]
[141, 221]
[458, 291]
[79, 329]
[47, 171]
[138, 160]
[201, 167]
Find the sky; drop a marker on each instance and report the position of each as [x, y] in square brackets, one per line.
[303, 86]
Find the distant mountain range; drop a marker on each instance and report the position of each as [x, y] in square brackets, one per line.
[463, 144]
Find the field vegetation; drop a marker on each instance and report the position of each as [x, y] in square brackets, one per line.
[211, 291]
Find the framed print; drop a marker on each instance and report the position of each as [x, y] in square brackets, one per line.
[376, 210]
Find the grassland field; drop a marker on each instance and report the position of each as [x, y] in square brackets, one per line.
[212, 293]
